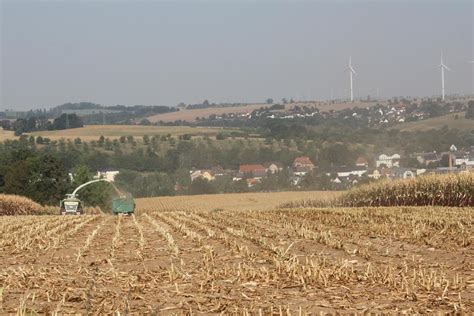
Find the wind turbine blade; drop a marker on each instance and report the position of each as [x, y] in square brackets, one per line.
[353, 71]
[446, 67]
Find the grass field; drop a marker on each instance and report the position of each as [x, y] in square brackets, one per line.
[437, 123]
[93, 132]
[196, 255]
[4, 135]
[192, 115]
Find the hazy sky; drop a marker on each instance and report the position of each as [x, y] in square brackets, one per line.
[151, 52]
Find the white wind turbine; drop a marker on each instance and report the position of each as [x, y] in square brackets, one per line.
[351, 72]
[442, 66]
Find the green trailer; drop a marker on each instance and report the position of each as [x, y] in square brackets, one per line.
[124, 205]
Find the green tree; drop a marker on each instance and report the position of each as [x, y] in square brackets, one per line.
[317, 181]
[48, 179]
[183, 178]
[201, 186]
[96, 194]
[470, 110]
[41, 178]
[16, 178]
[66, 121]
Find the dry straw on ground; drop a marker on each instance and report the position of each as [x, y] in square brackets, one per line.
[18, 205]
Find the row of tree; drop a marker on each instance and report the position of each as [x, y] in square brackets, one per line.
[41, 123]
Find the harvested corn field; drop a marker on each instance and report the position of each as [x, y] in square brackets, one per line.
[235, 201]
[286, 261]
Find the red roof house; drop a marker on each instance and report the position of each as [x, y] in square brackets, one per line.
[256, 170]
[361, 162]
[303, 161]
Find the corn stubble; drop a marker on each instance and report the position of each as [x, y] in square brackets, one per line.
[173, 258]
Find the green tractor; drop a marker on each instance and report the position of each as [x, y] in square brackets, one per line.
[71, 205]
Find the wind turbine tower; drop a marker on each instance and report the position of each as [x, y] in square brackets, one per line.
[442, 66]
[351, 72]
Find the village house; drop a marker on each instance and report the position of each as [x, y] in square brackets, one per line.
[380, 173]
[388, 161]
[463, 158]
[302, 166]
[256, 171]
[345, 182]
[202, 174]
[252, 182]
[219, 171]
[107, 174]
[362, 162]
[427, 158]
[351, 171]
[273, 167]
[403, 173]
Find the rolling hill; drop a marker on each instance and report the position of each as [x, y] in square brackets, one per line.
[192, 115]
[453, 120]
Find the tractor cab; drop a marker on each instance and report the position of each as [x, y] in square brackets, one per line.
[71, 206]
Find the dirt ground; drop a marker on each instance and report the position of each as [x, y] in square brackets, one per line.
[413, 260]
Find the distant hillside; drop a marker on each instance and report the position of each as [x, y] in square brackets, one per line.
[448, 120]
[193, 114]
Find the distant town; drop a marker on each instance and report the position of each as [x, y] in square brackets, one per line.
[289, 145]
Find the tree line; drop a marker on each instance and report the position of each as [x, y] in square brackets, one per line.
[42, 123]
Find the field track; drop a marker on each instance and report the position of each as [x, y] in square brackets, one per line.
[259, 262]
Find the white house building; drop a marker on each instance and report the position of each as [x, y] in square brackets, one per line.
[107, 174]
[388, 161]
